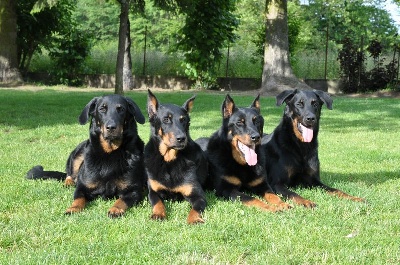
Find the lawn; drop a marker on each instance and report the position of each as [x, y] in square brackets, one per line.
[359, 153]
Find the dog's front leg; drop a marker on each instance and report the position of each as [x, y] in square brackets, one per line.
[296, 198]
[339, 193]
[198, 202]
[79, 202]
[159, 212]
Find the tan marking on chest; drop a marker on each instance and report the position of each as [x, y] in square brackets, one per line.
[233, 180]
[185, 189]
[256, 182]
[109, 147]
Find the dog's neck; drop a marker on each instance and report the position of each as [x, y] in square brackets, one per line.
[169, 154]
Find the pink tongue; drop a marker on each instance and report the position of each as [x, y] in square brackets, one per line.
[307, 133]
[249, 154]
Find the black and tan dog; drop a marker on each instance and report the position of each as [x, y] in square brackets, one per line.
[110, 163]
[235, 161]
[292, 149]
[176, 166]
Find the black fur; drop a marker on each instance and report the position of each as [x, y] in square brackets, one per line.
[110, 163]
[237, 168]
[175, 164]
[292, 149]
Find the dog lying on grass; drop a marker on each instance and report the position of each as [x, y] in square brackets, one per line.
[176, 166]
[110, 163]
[292, 148]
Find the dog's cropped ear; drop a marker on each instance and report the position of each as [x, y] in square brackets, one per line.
[325, 97]
[285, 96]
[256, 104]
[88, 110]
[228, 107]
[188, 105]
[152, 104]
[134, 109]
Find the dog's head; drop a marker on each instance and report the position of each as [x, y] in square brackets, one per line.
[303, 107]
[243, 128]
[113, 116]
[170, 125]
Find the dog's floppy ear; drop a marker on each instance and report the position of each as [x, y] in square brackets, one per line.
[88, 110]
[285, 96]
[325, 97]
[133, 108]
[256, 104]
[228, 107]
[152, 104]
[188, 105]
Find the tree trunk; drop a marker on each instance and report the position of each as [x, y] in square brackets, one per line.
[124, 77]
[277, 72]
[8, 43]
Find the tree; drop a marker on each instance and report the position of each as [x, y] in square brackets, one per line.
[277, 72]
[209, 26]
[8, 42]
[124, 76]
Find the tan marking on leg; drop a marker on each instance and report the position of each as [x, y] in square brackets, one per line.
[159, 212]
[77, 206]
[69, 181]
[260, 204]
[275, 199]
[194, 217]
[342, 194]
[118, 209]
[306, 203]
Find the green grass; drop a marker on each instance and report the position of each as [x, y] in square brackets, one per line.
[359, 153]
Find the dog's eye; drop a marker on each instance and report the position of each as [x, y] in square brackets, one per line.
[315, 104]
[182, 119]
[120, 109]
[240, 123]
[300, 104]
[166, 120]
[103, 108]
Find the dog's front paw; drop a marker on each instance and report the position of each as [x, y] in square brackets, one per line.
[194, 217]
[115, 212]
[305, 203]
[73, 209]
[156, 216]
[69, 181]
[284, 206]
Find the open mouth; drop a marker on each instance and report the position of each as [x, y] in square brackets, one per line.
[307, 133]
[249, 153]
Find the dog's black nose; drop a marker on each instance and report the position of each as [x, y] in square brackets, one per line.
[111, 127]
[310, 119]
[181, 139]
[255, 138]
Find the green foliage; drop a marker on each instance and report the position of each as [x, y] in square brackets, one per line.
[353, 71]
[40, 127]
[37, 29]
[71, 51]
[98, 19]
[208, 28]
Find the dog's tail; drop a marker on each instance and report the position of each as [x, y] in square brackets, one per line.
[37, 172]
